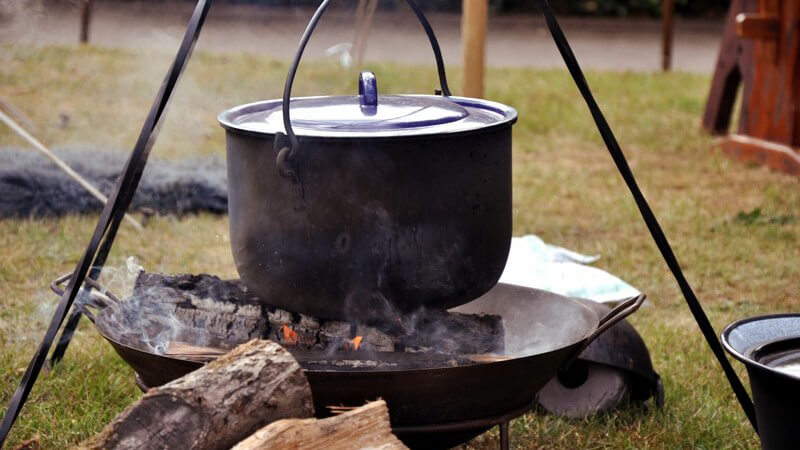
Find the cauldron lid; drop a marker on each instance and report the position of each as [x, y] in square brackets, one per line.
[395, 115]
[370, 115]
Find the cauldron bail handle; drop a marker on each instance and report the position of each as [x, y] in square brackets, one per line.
[287, 150]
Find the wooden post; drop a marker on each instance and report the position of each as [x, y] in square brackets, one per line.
[667, 31]
[765, 27]
[734, 67]
[769, 132]
[474, 25]
[86, 19]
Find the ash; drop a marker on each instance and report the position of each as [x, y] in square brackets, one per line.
[32, 186]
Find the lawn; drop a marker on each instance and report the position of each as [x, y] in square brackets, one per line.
[734, 227]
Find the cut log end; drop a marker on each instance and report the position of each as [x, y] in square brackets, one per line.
[364, 427]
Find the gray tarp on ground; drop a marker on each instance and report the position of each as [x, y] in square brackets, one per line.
[32, 186]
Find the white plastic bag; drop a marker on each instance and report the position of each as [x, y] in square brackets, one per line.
[534, 263]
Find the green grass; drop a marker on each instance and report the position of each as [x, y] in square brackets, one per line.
[734, 227]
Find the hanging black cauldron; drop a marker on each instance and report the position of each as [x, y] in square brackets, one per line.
[370, 204]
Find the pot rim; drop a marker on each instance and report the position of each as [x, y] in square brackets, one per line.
[509, 116]
[749, 361]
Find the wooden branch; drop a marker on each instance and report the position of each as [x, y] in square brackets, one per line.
[17, 114]
[184, 350]
[215, 406]
[30, 444]
[63, 166]
[364, 427]
[487, 358]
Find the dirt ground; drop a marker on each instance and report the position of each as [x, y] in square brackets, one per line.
[603, 44]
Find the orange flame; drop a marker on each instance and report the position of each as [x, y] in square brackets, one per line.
[356, 342]
[289, 335]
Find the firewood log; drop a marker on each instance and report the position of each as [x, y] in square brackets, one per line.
[216, 406]
[364, 427]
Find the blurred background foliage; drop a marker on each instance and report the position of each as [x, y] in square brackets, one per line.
[615, 8]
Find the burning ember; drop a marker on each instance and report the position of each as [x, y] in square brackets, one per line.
[289, 335]
[292, 338]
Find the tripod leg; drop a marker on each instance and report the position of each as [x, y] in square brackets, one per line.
[113, 211]
[504, 436]
[97, 267]
[66, 337]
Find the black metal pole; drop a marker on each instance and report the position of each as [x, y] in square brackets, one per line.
[66, 336]
[99, 261]
[647, 213]
[112, 212]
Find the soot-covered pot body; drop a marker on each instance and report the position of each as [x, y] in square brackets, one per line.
[374, 220]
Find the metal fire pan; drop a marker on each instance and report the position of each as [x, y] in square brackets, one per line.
[544, 332]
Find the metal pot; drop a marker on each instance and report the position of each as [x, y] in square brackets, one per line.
[370, 204]
[769, 346]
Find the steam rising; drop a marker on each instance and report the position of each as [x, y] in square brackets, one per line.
[134, 321]
[19, 17]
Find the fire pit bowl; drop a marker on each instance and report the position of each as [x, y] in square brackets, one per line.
[769, 346]
[430, 399]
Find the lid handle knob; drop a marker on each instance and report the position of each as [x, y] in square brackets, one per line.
[368, 91]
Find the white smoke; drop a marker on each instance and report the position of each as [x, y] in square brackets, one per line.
[20, 17]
